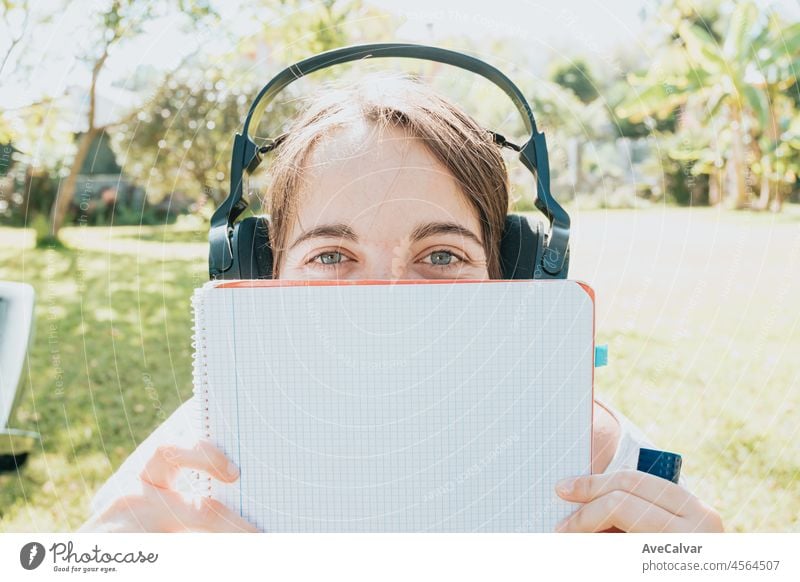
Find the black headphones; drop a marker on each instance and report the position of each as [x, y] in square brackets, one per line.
[242, 250]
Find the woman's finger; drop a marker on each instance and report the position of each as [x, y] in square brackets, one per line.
[163, 467]
[171, 513]
[157, 510]
[666, 494]
[214, 516]
[625, 511]
[163, 510]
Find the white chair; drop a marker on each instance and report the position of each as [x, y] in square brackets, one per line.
[16, 330]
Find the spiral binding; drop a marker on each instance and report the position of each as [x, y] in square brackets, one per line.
[200, 375]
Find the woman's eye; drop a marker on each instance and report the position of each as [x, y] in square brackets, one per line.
[443, 258]
[329, 258]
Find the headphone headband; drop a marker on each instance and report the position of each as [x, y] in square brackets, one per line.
[381, 50]
[246, 156]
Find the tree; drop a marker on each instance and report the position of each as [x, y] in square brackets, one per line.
[14, 20]
[697, 73]
[575, 76]
[119, 21]
[776, 148]
[181, 141]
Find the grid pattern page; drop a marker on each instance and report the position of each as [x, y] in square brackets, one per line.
[400, 408]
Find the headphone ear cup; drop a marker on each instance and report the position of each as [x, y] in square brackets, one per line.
[251, 249]
[520, 247]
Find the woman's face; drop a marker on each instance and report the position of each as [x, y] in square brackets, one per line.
[381, 207]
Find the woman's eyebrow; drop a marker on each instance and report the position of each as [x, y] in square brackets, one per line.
[421, 231]
[431, 228]
[339, 230]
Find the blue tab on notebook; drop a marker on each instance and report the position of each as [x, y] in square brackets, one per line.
[600, 355]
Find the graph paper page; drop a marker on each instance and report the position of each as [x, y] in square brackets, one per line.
[426, 407]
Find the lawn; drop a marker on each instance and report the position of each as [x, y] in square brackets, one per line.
[700, 308]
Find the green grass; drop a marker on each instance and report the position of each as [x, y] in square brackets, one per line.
[700, 308]
[112, 315]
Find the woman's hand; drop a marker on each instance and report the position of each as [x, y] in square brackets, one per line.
[634, 501]
[159, 508]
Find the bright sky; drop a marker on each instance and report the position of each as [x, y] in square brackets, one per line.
[588, 27]
[549, 23]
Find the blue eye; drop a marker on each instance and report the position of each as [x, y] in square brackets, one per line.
[441, 257]
[444, 259]
[328, 259]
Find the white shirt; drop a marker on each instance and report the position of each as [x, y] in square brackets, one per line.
[182, 429]
[631, 439]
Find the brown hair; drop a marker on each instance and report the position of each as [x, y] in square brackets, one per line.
[452, 137]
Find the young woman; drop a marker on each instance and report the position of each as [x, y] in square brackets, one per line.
[387, 180]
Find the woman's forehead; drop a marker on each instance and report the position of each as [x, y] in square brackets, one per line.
[361, 173]
[367, 143]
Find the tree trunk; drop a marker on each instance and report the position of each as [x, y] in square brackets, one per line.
[777, 201]
[764, 196]
[737, 166]
[27, 183]
[714, 190]
[773, 198]
[66, 193]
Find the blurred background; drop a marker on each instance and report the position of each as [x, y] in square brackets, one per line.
[674, 136]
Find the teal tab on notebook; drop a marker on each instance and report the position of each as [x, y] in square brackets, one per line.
[601, 355]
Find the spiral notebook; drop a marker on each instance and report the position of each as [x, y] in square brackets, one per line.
[406, 406]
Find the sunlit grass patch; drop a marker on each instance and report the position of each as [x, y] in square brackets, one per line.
[699, 307]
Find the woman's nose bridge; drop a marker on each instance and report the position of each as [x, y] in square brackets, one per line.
[388, 260]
